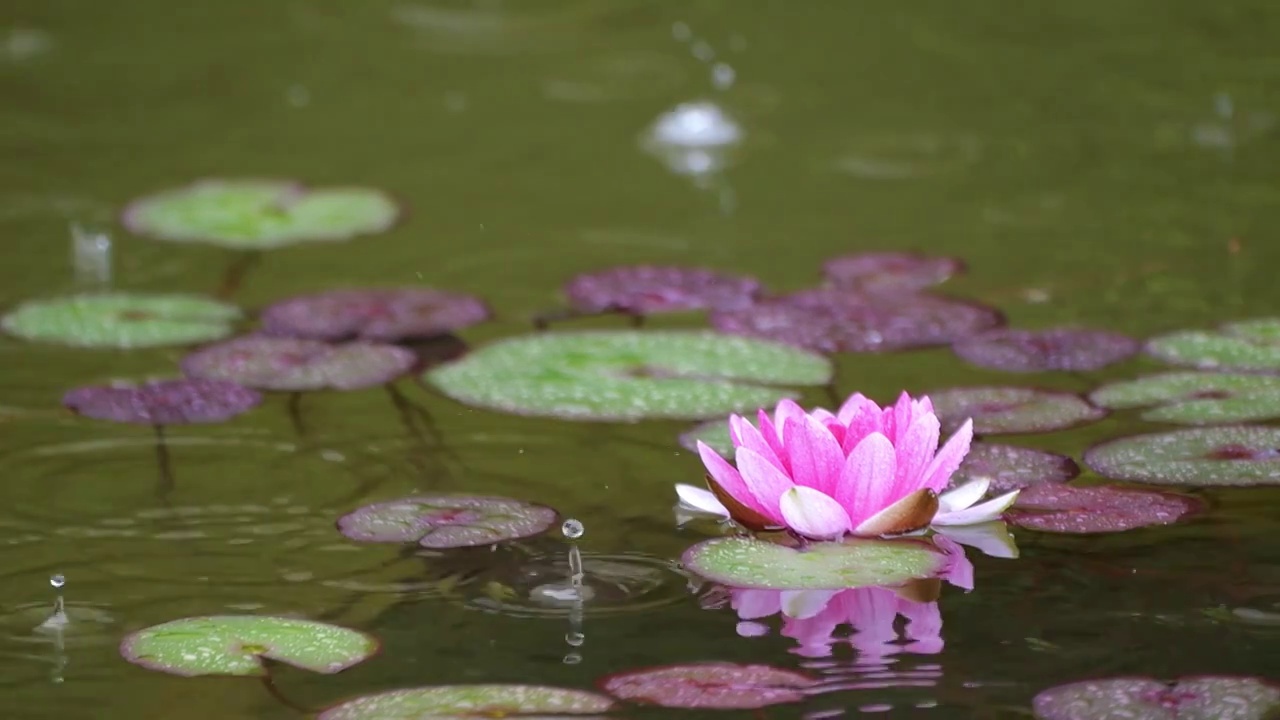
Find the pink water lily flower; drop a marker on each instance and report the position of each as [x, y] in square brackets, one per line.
[865, 471]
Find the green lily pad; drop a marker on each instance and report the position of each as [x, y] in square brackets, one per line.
[472, 701]
[713, 433]
[238, 645]
[1195, 398]
[260, 214]
[1246, 345]
[628, 375]
[122, 320]
[1000, 410]
[750, 563]
[1229, 455]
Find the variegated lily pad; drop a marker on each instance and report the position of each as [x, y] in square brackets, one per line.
[377, 314]
[1001, 410]
[1098, 509]
[712, 685]
[889, 271]
[1195, 398]
[628, 375]
[472, 701]
[1251, 345]
[648, 289]
[238, 645]
[1140, 698]
[750, 563]
[1008, 467]
[122, 320]
[446, 521]
[1229, 455]
[294, 365]
[1070, 349]
[260, 214]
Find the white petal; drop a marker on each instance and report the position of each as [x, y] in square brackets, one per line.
[963, 496]
[985, 512]
[813, 513]
[700, 500]
[803, 604]
[990, 538]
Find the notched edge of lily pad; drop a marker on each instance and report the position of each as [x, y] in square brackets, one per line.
[539, 520]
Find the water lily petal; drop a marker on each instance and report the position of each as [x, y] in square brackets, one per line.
[813, 514]
[804, 604]
[750, 437]
[754, 604]
[949, 458]
[764, 480]
[728, 478]
[985, 512]
[899, 419]
[910, 513]
[958, 569]
[867, 478]
[816, 460]
[990, 538]
[857, 406]
[916, 450]
[964, 496]
[700, 500]
[787, 410]
[773, 437]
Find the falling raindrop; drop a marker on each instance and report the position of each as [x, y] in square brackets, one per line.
[572, 529]
[722, 76]
[57, 581]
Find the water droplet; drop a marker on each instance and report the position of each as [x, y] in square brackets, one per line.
[575, 639]
[722, 76]
[572, 529]
[57, 580]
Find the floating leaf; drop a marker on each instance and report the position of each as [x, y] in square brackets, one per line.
[1072, 349]
[1139, 698]
[166, 402]
[714, 685]
[238, 644]
[122, 320]
[259, 214]
[380, 314]
[749, 563]
[889, 271]
[1195, 398]
[627, 375]
[1228, 455]
[648, 289]
[998, 410]
[446, 521]
[1247, 345]
[298, 365]
[1097, 509]
[715, 433]
[838, 321]
[1009, 467]
[472, 701]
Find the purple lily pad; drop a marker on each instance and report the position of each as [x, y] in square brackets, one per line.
[889, 271]
[167, 402]
[294, 365]
[1008, 467]
[839, 321]
[1002, 410]
[1139, 698]
[712, 685]
[1098, 509]
[472, 701]
[1073, 349]
[648, 289]
[1231, 455]
[446, 521]
[385, 315]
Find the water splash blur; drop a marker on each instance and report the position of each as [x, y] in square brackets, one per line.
[91, 257]
[54, 626]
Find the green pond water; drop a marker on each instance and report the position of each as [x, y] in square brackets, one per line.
[1094, 163]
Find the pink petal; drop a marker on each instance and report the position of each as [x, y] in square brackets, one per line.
[804, 604]
[861, 426]
[786, 410]
[813, 514]
[816, 460]
[728, 478]
[949, 458]
[733, 431]
[764, 481]
[866, 480]
[754, 604]
[750, 437]
[915, 450]
[856, 406]
[773, 438]
[957, 569]
[902, 416]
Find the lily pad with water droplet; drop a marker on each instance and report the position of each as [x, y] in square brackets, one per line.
[648, 289]
[840, 321]
[1250, 345]
[1140, 698]
[122, 320]
[889, 271]
[378, 314]
[1008, 467]
[1195, 398]
[239, 644]
[714, 433]
[710, 685]
[473, 701]
[1002, 410]
[1070, 349]
[750, 563]
[446, 521]
[294, 365]
[260, 214]
[628, 375]
[1231, 455]
[1098, 509]
[166, 402]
